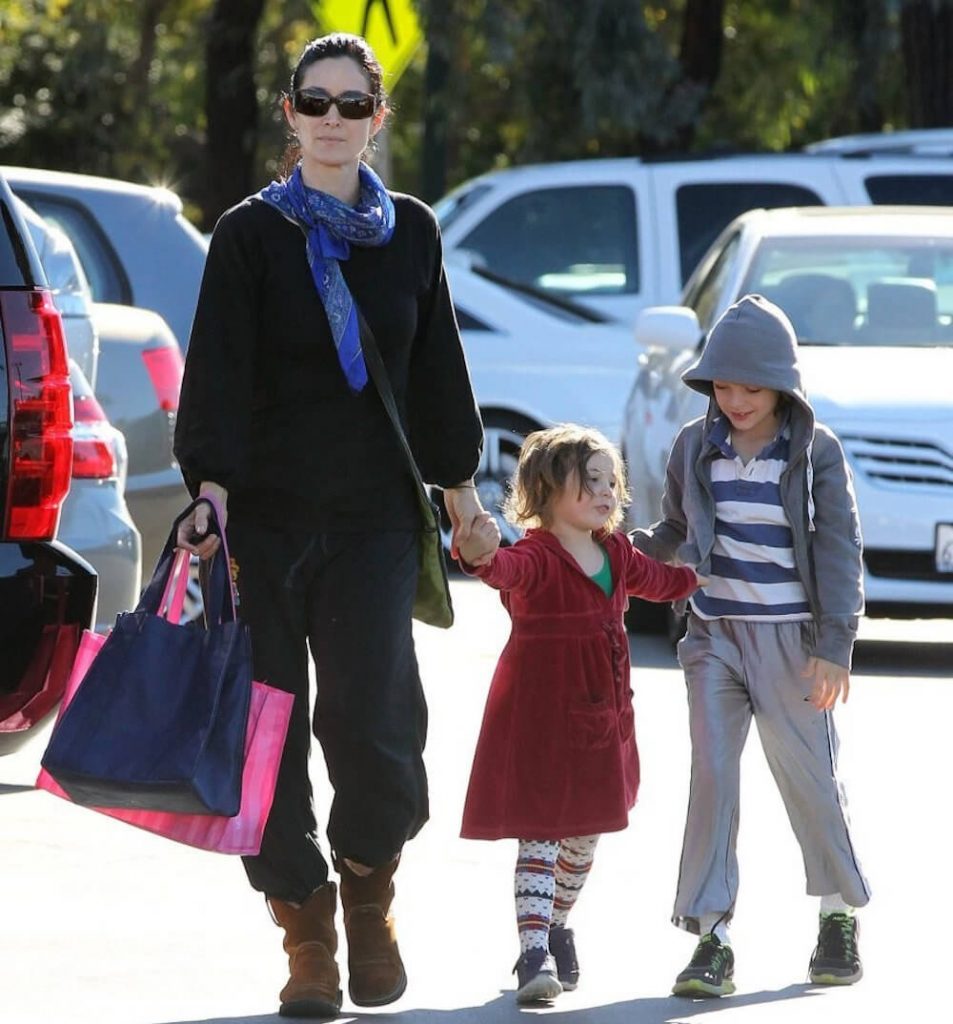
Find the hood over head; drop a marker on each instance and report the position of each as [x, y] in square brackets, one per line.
[753, 342]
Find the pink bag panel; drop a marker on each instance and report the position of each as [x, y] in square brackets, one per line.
[268, 715]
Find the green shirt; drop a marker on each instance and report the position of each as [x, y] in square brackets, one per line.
[603, 578]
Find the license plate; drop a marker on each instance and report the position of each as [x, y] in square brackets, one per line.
[944, 547]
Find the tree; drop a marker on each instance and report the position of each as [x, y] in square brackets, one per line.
[926, 28]
[700, 55]
[231, 104]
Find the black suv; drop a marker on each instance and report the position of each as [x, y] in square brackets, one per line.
[47, 592]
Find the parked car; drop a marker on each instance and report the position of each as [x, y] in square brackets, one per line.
[136, 245]
[535, 360]
[133, 357]
[870, 295]
[922, 141]
[140, 375]
[47, 592]
[621, 234]
[96, 521]
[67, 282]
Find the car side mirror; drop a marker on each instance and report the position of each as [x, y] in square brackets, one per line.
[669, 327]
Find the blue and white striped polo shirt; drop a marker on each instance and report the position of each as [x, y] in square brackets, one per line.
[752, 564]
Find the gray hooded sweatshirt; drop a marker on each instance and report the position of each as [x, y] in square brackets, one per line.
[754, 343]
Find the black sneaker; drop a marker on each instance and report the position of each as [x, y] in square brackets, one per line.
[836, 960]
[710, 970]
[536, 977]
[562, 945]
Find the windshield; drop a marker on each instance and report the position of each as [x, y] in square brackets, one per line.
[860, 291]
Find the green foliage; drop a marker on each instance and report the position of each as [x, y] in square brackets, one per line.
[117, 88]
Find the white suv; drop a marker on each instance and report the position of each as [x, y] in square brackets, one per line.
[621, 234]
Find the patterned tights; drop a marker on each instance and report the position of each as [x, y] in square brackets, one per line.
[550, 875]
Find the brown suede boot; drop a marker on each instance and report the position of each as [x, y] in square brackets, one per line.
[375, 971]
[314, 988]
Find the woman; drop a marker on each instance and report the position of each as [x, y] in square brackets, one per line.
[277, 418]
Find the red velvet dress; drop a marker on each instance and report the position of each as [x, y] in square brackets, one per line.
[556, 756]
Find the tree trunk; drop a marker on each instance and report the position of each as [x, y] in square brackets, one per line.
[926, 32]
[436, 100]
[700, 54]
[230, 104]
[865, 26]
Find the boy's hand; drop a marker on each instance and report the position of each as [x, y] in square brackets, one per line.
[702, 581]
[482, 543]
[830, 682]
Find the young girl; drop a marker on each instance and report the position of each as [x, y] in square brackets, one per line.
[556, 763]
[759, 495]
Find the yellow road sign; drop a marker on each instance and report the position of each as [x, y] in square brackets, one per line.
[390, 26]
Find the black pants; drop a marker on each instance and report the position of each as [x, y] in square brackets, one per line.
[349, 597]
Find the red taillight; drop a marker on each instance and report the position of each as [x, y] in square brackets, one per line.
[40, 417]
[165, 371]
[94, 454]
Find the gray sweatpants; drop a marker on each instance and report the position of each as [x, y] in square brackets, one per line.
[734, 670]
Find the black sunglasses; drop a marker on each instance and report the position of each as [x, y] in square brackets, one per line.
[354, 106]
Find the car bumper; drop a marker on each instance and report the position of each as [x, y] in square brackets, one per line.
[899, 528]
[47, 597]
[97, 525]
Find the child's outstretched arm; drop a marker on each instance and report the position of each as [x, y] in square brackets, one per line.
[651, 580]
[482, 542]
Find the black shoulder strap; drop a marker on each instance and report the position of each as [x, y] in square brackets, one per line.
[378, 374]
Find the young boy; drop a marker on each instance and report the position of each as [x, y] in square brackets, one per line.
[759, 498]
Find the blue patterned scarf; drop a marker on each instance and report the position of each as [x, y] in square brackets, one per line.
[331, 228]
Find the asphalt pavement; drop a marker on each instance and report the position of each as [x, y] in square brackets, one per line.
[104, 924]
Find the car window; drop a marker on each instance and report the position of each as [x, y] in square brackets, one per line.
[860, 291]
[571, 241]
[452, 205]
[107, 280]
[14, 265]
[705, 209]
[911, 189]
[704, 298]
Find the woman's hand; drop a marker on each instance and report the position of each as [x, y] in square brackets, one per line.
[463, 506]
[193, 535]
[830, 682]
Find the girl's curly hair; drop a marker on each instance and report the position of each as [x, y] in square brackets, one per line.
[547, 460]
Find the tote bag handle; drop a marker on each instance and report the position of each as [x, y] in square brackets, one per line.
[165, 594]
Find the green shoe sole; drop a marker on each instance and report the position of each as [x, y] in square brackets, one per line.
[820, 978]
[695, 988]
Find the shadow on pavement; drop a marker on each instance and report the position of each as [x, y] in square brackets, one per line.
[900, 658]
[503, 1010]
[6, 788]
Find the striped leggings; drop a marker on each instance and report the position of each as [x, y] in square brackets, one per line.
[550, 874]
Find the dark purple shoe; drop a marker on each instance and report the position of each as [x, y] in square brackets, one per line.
[536, 977]
[562, 945]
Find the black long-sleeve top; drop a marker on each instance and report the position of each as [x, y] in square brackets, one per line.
[265, 409]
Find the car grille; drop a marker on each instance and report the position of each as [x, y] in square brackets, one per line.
[905, 565]
[901, 463]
